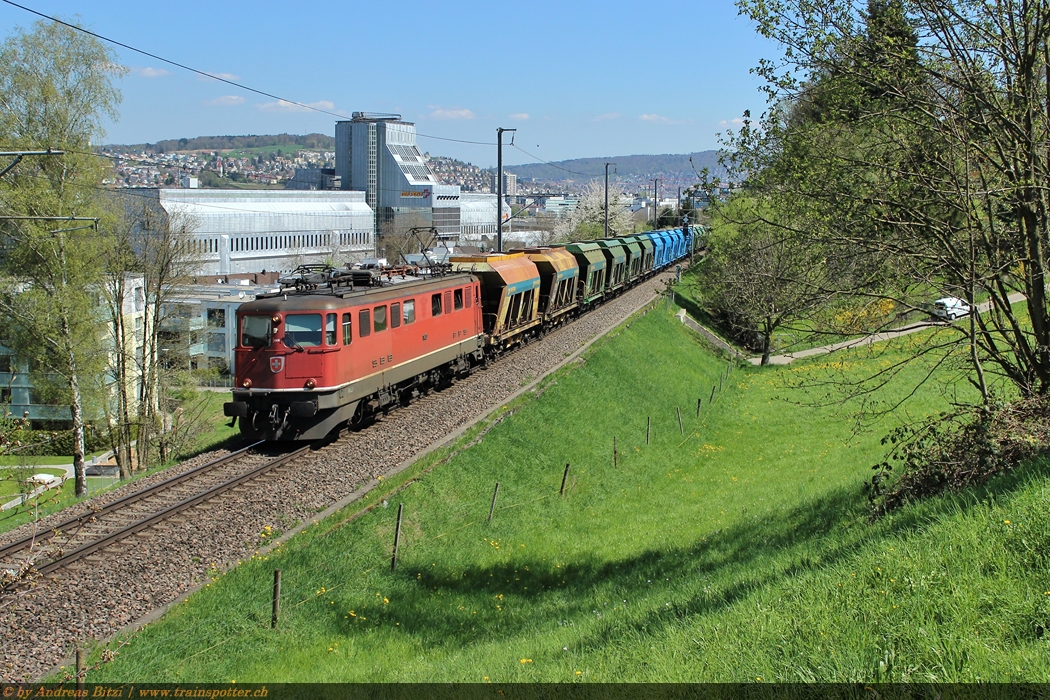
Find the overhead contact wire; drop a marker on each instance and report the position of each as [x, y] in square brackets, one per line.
[206, 74]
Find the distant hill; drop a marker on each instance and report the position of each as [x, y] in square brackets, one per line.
[626, 166]
[319, 142]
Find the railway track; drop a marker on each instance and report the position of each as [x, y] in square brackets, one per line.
[63, 544]
[123, 582]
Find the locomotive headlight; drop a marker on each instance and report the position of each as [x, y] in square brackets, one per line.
[276, 318]
[247, 384]
[310, 383]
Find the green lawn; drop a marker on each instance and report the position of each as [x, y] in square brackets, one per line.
[740, 550]
[209, 431]
[10, 479]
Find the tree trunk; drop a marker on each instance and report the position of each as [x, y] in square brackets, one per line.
[76, 408]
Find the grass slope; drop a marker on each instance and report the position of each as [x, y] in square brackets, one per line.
[739, 551]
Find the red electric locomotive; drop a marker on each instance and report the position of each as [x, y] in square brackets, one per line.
[312, 358]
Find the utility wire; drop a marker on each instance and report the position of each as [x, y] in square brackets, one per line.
[241, 86]
[537, 158]
[248, 88]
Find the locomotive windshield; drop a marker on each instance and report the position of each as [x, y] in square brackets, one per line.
[302, 330]
[256, 331]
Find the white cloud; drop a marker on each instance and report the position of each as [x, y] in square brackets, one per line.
[440, 113]
[224, 76]
[606, 117]
[225, 101]
[148, 72]
[738, 121]
[657, 119]
[286, 106]
[521, 117]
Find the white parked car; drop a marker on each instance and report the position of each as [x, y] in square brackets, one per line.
[48, 480]
[950, 308]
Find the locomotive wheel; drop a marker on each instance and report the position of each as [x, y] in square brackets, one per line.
[359, 415]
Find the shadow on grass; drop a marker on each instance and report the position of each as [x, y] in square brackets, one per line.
[661, 588]
[756, 553]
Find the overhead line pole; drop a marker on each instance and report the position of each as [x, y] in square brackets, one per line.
[607, 198]
[19, 155]
[499, 188]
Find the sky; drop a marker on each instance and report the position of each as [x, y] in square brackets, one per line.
[576, 79]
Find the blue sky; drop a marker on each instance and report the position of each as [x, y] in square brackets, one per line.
[576, 80]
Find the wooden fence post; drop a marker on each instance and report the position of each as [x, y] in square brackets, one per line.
[698, 407]
[81, 672]
[564, 478]
[397, 536]
[493, 508]
[648, 428]
[615, 455]
[680, 428]
[276, 598]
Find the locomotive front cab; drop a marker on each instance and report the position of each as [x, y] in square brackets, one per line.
[280, 360]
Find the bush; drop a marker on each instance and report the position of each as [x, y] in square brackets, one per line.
[49, 443]
[958, 450]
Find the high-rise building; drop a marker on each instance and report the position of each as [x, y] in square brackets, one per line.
[510, 184]
[377, 154]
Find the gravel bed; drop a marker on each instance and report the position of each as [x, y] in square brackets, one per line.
[95, 599]
[49, 521]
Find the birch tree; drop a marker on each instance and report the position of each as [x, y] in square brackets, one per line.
[56, 87]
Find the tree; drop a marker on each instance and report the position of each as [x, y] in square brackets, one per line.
[757, 277]
[167, 264]
[587, 221]
[55, 89]
[915, 135]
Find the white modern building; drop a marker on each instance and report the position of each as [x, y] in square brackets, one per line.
[246, 231]
[199, 324]
[377, 154]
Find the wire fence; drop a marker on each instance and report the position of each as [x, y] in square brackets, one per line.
[300, 585]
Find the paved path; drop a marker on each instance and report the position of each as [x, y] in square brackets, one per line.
[824, 349]
[14, 503]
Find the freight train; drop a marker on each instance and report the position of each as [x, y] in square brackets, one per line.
[336, 347]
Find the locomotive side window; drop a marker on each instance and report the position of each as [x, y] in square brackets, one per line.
[256, 331]
[457, 299]
[347, 337]
[329, 329]
[410, 311]
[364, 323]
[302, 330]
[380, 318]
[395, 315]
[435, 304]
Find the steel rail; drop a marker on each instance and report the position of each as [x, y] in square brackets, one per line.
[160, 516]
[121, 503]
